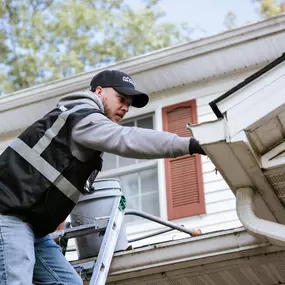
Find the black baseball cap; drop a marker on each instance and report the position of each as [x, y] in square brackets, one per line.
[122, 83]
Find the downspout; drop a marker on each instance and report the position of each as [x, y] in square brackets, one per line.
[274, 232]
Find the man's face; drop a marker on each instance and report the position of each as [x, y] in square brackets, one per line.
[115, 104]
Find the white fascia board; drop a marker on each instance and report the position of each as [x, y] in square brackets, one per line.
[188, 252]
[45, 91]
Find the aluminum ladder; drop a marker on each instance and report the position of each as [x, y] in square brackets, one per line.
[112, 225]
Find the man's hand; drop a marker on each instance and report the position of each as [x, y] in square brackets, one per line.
[194, 147]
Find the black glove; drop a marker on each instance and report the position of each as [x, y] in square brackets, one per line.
[194, 147]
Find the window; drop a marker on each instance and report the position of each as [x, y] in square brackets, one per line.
[138, 177]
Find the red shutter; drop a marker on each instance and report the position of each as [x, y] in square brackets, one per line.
[184, 184]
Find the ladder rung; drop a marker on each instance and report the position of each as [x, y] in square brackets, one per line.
[77, 231]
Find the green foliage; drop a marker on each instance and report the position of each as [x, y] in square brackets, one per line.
[230, 20]
[43, 40]
[270, 8]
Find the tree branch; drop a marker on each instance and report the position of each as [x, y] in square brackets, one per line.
[13, 41]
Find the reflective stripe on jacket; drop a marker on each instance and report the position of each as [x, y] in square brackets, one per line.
[40, 179]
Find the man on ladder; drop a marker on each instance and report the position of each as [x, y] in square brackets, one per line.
[44, 170]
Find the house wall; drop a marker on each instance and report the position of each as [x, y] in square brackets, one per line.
[219, 199]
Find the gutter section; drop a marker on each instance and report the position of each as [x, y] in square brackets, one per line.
[202, 250]
[185, 253]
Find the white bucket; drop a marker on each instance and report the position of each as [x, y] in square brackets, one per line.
[95, 205]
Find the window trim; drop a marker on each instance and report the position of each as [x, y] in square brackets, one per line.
[136, 167]
[140, 165]
[140, 117]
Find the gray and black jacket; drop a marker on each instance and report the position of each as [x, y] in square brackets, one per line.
[43, 171]
[40, 179]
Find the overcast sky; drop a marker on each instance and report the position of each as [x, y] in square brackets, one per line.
[206, 15]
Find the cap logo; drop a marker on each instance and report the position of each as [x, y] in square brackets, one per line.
[62, 108]
[128, 79]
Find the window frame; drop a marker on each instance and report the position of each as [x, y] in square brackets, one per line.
[140, 165]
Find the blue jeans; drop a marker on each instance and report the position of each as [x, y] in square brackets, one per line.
[25, 260]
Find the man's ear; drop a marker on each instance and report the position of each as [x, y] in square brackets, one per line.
[98, 91]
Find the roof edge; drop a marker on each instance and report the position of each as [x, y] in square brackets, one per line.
[142, 63]
[200, 250]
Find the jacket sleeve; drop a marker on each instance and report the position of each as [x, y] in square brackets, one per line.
[99, 133]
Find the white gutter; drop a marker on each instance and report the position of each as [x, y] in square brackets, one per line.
[274, 232]
[188, 252]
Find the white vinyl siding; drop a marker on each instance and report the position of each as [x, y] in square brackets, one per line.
[219, 199]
